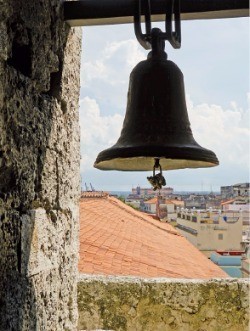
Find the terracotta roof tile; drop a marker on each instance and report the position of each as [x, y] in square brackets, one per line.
[115, 239]
[175, 202]
[227, 202]
[151, 201]
[166, 201]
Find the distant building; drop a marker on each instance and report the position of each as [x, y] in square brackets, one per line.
[241, 189]
[150, 206]
[195, 201]
[240, 203]
[165, 191]
[135, 203]
[168, 209]
[214, 203]
[162, 207]
[235, 190]
[211, 230]
[245, 263]
[246, 233]
[226, 192]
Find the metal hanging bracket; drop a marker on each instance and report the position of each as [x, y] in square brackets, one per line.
[174, 37]
[144, 39]
[172, 16]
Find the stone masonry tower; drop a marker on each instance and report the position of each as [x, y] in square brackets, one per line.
[39, 166]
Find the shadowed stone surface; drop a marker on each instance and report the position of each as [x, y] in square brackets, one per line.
[39, 166]
[161, 304]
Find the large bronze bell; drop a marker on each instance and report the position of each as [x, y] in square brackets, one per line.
[156, 125]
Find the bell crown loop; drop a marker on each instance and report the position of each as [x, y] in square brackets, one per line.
[158, 45]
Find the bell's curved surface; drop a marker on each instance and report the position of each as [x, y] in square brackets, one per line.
[156, 124]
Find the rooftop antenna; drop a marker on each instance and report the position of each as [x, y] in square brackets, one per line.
[92, 188]
[86, 186]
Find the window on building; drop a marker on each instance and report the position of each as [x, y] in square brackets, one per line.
[220, 236]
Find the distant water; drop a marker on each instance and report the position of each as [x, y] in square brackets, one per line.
[126, 193]
[195, 192]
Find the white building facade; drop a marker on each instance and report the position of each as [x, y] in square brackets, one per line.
[210, 231]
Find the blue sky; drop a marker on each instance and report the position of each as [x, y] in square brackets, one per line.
[214, 59]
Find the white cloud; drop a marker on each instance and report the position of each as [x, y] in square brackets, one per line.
[114, 63]
[222, 131]
[127, 50]
[105, 77]
[92, 70]
[97, 132]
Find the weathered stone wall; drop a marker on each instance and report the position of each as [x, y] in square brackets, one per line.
[39, 166]
[123, 303]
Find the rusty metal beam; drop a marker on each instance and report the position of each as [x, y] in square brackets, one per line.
[100, 12]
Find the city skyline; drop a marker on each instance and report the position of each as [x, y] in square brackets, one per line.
[214, 61]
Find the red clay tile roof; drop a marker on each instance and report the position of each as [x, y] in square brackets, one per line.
[94, 194]
[152, 201]
[175, 202]
[115, 239]
[227, 202]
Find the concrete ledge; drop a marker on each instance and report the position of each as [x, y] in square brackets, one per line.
[140, 304]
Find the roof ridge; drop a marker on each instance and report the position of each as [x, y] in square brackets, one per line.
[94, 194]
[131, 211]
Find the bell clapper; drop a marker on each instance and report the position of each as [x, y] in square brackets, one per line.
[157, 180]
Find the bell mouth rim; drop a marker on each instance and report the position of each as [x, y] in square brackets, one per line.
[166, 164]
[172, 158]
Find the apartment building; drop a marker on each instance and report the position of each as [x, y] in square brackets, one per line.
[139, 191]
[242, 189]
[240, 203]
[211, 230]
